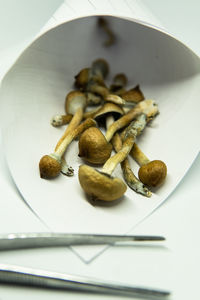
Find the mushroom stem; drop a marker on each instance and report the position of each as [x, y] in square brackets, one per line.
[148, 107]
[139, 156]
[135, 128]
[152, 173]
[75, 121]
[66, 169]
[109, 120]
[59, 120]
[133, 182]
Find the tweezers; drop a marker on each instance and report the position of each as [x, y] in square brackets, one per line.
[11, 274]
[13, 241]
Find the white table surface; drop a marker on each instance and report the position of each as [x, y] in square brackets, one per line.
[176, 264]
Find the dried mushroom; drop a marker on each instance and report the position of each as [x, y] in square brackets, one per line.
[151, 173]
[104, 24]
[51, 165]
[93, 146]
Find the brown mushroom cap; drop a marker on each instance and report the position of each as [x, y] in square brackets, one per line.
[153, 174]
[99, 185]
[49, 166]
[109, 108]
[82, 78]
[93, 147]
[73, 101]
[134, 95]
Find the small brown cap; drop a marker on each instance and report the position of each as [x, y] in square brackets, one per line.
[82, 78]
[153, 174]
[49, 167]
[93, 146]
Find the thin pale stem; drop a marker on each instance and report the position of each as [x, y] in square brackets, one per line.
[59, 120]
[72, 125]
[114, 160]
[109, 120]
[139, 156]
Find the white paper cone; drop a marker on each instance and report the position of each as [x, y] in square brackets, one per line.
[35, 88]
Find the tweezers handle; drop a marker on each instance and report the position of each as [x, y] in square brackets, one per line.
[33, 277]
[35, 240]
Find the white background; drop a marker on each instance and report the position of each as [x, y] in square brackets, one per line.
[173, 266]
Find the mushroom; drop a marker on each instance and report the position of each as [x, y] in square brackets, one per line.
[51, 165]
[101, 185]
[75, 103]
[103, 23]
[93, 146]
[82, 78]
[151, 173]
[108, 112]
[132, 181]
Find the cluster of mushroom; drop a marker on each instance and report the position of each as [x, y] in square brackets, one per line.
[124, 114]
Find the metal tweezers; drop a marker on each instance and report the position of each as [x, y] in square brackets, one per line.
[34, 240]
[10, 274]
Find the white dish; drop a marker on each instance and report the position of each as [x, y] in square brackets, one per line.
[35, 88]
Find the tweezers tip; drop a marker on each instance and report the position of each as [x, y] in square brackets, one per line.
[150, 238]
